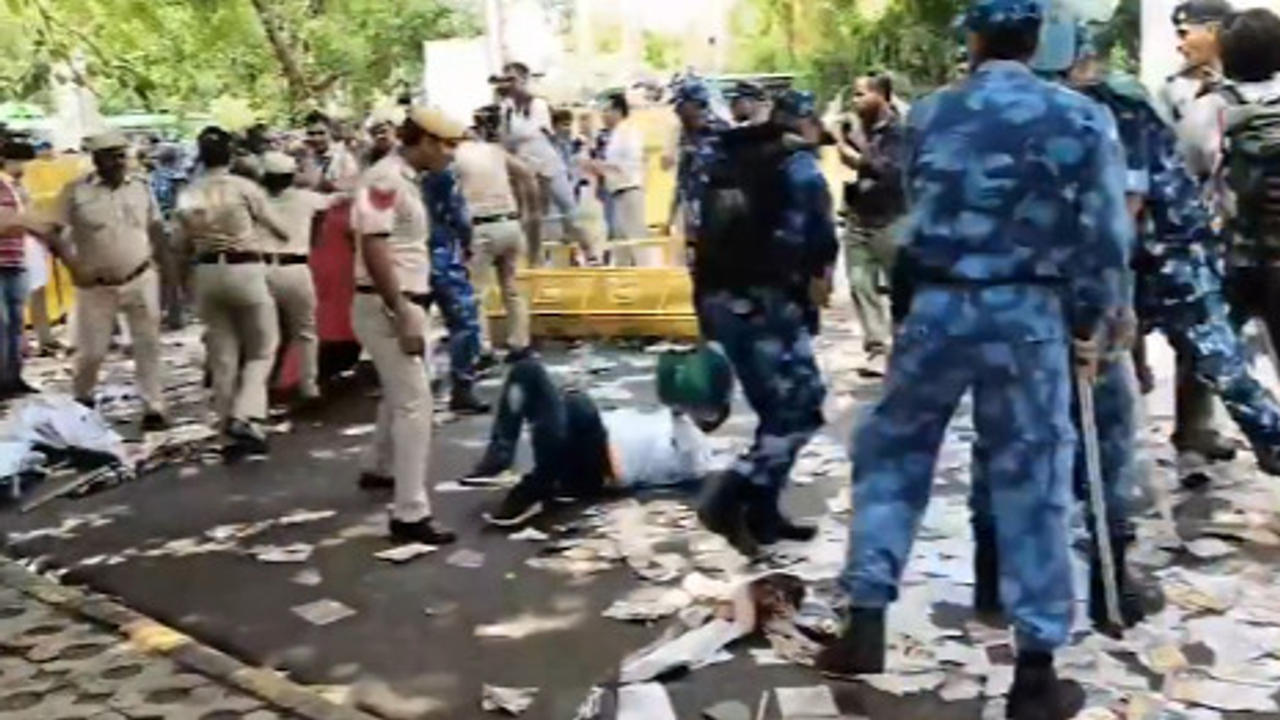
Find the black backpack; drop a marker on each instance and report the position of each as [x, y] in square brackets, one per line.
[742, 209]
[1251, 162]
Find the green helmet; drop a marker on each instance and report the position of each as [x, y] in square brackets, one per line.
[699, 381]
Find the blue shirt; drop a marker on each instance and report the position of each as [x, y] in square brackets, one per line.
[1018, 183]
[808, 231]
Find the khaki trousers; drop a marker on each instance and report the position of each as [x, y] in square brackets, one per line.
[868, 257]
[402, 438]
[628, 215]
[498, 248]
[294, 293]
[241, 336]
[96, 308]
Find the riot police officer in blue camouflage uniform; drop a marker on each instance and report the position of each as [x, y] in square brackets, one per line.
[451, 289]
[1181, 295]
[699, 141]
[1018, 237]
[766, 246]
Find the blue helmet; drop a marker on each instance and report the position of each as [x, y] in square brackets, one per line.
[691, 89]
[1056, 51]
[796, 103]
[989, 15]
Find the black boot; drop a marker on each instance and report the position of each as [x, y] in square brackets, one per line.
[723, 510]
[1038, 694]
[859, 650]
[766, 522]
[1268, 459]
[986, 574]
[463, 400]
[1132, 601]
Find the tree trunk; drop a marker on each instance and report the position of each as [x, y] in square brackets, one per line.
[293, 75]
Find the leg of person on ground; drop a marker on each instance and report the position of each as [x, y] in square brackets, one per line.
[402, 439]
[140, 303]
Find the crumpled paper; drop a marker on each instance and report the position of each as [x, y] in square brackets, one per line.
[511, 700]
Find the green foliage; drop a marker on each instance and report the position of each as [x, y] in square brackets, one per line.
[1117, 40]
[180, 55]
[661, 52]
[829, 42]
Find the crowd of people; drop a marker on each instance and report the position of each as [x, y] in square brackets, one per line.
[1032, 221]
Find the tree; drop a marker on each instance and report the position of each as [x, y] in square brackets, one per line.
[285, 55]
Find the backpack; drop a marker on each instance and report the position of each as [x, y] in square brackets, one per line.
[1251, 164]
[742, 207]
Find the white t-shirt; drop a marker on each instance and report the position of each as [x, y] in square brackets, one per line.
[624, 159]
[527, 134]
[655, 448]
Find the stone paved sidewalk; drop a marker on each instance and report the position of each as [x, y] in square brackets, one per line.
[55, 665]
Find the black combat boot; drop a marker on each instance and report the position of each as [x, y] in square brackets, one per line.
[463, 400]
[1133, 600]
[1038, 694]
[723, 510]
[986, 575]
[766, 522]
[859, 650]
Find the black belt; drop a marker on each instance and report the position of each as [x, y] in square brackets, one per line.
[413, 297]
[230, 258]
[286, 259]
[501, 217]
[109, 282]
[616, 193]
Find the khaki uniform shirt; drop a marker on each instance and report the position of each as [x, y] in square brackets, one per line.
[219, 212]
[296, 208]
[388, 201]
[486, 185]
[109, 228]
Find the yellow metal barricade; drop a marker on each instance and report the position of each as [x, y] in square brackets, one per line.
[44, 180]
[602, 303]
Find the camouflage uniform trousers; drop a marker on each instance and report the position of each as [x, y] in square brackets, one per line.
[1113, 418]
[1021, 392]
[452, 292]
[1185, 301]
[764, 335]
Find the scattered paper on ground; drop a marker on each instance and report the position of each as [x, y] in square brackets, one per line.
[323, 612]
[405, 553]
[511, 700]
[644, 701]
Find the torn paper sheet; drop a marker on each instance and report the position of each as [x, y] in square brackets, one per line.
[405, 553]
[323, 612]
[1207, 692]
[686, 650]
[309, 577]
[530, 534]
[295, 553]
[905, 683]
[645, 701]
[648, 603]
[958, 688]
[806, 703]
[592, 706]
[727, 710]
[466, 558]
[511, 700]
[298, 517]
[526, 624]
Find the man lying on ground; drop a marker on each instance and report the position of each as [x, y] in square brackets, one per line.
[580, 453]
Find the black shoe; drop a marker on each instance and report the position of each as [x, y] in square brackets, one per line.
[487, 467]
[486, 362]
[1268, 460]
[766, 522]
[374, 481]
[986, 574]
[723, 511]
[464, 401]
[246, 439]
[1133, 600]
[153, 421]
[1212, 445]
[518, 354]
[859, 650]
[306, 406]
[1038, 694]
[422, 531]
[521, 505]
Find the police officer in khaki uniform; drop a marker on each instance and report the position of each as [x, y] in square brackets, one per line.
[489, 176]
[392, 265]
[219, 215]
[288, 275]
[108, 221]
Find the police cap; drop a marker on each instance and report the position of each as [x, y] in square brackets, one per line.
[1200, 12]
[108, 140]
[985, 16]
[436, 122]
